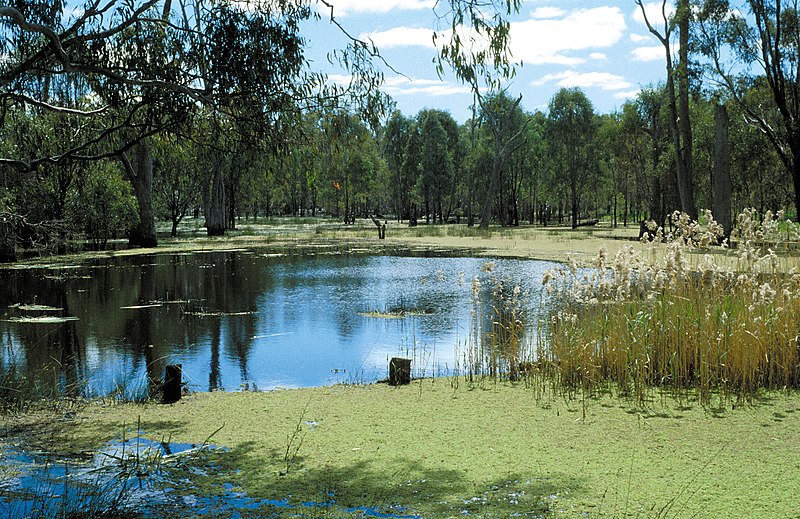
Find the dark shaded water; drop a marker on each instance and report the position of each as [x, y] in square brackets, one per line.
[242, 318]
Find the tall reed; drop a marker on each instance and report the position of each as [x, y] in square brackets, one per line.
[497, 346]
[675, 316]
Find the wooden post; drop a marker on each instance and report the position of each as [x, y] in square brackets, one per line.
[399, 371]
[172, 383]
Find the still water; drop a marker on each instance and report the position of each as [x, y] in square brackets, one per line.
[244, 319]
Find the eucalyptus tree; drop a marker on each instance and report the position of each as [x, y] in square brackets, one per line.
[572, 131]
[755, 44]
[411, 170]
[752, 151]
[146, 65]
[393, 146]
[473, 42]
[177, 179]
[504, 123]
[652, 118]
[533, 166]
[677, 92]
[440, 138]
[351, 164]
[437, 167]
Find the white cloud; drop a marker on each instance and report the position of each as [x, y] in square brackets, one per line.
[638, 38]
[653, 53]
[346, 7]
[655, 13]
[629, 94]
[550, 41]
[570, 78]
[402, 86]
[598, 56]
[547, 12]
[535, 41]
[401, 37]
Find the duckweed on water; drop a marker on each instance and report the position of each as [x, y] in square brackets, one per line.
[445, 448]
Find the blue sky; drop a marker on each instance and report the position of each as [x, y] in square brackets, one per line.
[602, 47]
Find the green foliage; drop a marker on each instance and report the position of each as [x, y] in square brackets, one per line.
[102, 205]
[177, 180]
[572, 126]
[437, 162]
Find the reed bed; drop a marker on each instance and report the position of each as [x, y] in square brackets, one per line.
[674, 316]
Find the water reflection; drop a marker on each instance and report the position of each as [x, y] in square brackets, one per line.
[243, 318]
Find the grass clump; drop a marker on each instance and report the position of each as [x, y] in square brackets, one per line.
[723, 325]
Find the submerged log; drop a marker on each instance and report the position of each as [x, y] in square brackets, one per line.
[172, 383]
[399, 371]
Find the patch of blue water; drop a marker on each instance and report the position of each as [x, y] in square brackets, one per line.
[124, 475]
[127, 476]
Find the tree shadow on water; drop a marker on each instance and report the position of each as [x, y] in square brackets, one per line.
[393, 488]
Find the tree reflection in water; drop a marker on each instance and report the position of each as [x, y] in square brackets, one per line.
[243, 318]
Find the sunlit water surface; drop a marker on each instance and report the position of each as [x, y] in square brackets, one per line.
[246, 319]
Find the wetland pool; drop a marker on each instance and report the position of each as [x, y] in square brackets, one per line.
[247, 319]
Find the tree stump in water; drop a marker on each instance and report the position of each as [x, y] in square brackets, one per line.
[399, 371]
[172, 383]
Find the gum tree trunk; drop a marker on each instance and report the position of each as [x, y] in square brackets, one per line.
[721, 182]
[215, 210]
[140, 172]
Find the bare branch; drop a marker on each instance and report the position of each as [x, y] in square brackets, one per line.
[22, 98]
[19, 20]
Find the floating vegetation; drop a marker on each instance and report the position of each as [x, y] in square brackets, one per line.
[43, 319]
[35, 308]
[65, 276]
[398, 313]
[216, 314]
[211, 251]
[266, 336]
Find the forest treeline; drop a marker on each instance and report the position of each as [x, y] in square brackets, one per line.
[130, 111]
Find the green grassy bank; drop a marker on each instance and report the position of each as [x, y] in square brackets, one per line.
[443, 447]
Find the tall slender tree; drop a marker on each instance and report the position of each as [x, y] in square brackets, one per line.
[677, 89]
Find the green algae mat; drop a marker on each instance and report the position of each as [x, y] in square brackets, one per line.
[445, 448]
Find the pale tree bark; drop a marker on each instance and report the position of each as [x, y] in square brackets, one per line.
[499, 123]
[8, 240]
[678, 99]
[685, 170]
[765, 43]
